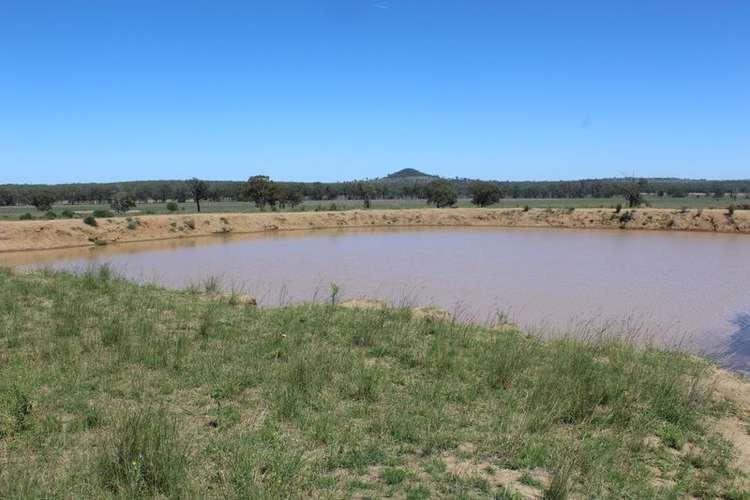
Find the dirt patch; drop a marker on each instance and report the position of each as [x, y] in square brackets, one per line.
[68, 233]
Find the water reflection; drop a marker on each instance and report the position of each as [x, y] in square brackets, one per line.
[737, 353]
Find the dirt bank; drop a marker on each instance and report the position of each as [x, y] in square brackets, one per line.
[40, 235]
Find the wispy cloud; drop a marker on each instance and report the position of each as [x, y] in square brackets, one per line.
[378, 6]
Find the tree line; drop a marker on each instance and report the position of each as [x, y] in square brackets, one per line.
[269, 193]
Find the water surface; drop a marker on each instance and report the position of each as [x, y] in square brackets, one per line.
[691, 288]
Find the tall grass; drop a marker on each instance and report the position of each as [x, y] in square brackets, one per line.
[144, 456]
[111, 389]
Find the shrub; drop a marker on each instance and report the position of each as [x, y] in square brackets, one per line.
[101, 213]
[26, 216]
[144, 457]
[526, 208]
[730, 210]
[133, 224]
[51, 215]
[626, 217]
[172, 206]
[90, 220]
[333, 207]
[618, 208]
[68, 213]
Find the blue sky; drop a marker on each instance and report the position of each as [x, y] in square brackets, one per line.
[102, 90]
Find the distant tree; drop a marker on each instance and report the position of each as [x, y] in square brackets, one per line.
[441, 193]
[172, 206]
[7, 197]
[42, 200]
[262, 191]
[121, 202]
[632, 191]
[164, 191]
[485, 193]
[366, 192]
[181, 194]
[199, 190]
[294, 195]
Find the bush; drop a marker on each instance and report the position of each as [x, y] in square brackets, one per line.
[26, 216]
[172, 206]
[526, 208]
[730, 210]
[68, 213]
[144, 457]
[90, 220]
[51, 214]
[618, 208]
[101, 213]
[626, 217]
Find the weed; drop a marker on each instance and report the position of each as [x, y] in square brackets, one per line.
[625, 217]
[212, 284]
[333, 293]
[528, 480]
[144, 456]
[393, 475]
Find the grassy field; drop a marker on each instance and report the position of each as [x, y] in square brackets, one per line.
[14, 212]
[114, 390]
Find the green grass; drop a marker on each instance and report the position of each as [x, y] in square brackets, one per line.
[110, 389]
[16, 212]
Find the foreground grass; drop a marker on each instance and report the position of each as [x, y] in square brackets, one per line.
[110, 389]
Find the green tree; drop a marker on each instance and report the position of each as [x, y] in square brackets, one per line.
[42, 201]
[366, 192]
[485, 193]
[262, 191]
[122, 202]
[632, 190]
[441, 194]
[199, 190]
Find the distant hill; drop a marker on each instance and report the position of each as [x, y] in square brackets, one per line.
[406, 176]
[408, 172]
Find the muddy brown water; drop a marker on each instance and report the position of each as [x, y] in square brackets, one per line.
[686, 289]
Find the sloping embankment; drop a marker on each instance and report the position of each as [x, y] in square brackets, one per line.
[40, 235]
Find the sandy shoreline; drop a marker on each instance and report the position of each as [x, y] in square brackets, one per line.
[70, 233]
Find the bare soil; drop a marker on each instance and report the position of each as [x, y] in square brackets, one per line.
[41, 235]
